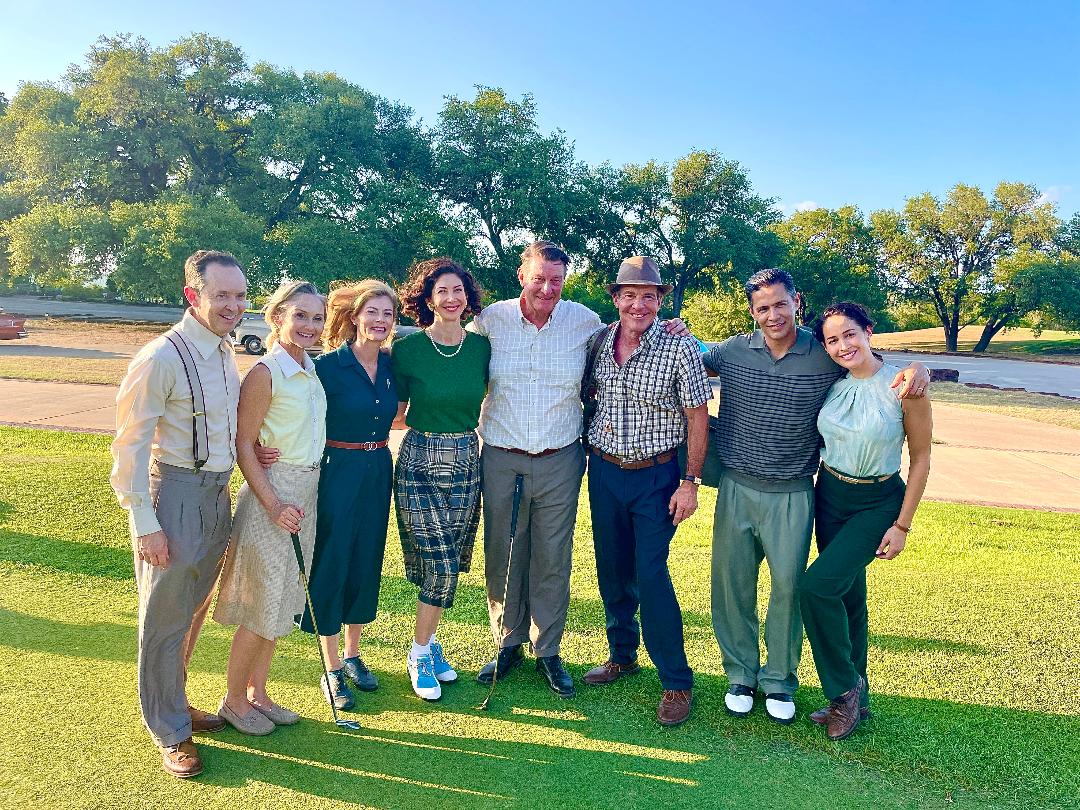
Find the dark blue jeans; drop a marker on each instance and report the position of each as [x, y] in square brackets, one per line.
[632, 533]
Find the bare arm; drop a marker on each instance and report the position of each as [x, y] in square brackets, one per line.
[255, 395]
[399, 420]
[919, 427]
[683, 502]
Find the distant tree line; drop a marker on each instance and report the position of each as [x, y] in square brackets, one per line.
[141, 155]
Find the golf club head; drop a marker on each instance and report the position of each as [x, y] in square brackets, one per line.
[352, 725]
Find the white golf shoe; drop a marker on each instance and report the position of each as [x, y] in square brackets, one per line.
[422, 673]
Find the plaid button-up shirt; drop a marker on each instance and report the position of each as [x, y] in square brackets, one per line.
[534, 388]
[640, 404]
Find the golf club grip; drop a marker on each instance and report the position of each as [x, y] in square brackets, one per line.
[519, 480]
[299, 552]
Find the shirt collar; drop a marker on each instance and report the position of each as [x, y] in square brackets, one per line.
[551, 318]
[203, 339]
[289, 366]
[803, 341]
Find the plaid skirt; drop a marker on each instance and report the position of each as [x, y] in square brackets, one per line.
[437, 492]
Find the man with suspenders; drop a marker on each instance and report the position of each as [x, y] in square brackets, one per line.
[173, 454]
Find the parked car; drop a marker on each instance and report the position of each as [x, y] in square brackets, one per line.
[252, 331]
[12, 327]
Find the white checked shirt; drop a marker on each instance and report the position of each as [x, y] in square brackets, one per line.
[534, 394]
[639, 405]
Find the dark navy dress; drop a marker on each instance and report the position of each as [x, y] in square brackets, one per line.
[354, 492]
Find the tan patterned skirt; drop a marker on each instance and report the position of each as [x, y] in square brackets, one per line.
[260, 583]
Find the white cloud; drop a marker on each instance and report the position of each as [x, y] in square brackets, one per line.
[806, 205]
[1053, 194]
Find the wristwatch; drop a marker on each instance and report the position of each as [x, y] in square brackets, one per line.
[693, 479]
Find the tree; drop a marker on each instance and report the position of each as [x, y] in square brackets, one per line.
[509, 182]
[719, 314]
[699, 219]
[953, 253]
[832, 256]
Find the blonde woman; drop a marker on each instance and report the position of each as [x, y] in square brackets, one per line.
[357, 474]
[282, 405]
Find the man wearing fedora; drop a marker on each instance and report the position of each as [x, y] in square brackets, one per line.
[651, 396]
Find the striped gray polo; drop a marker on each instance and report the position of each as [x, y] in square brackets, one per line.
[768, 437]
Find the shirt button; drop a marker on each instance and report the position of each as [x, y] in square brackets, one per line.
[376, 402]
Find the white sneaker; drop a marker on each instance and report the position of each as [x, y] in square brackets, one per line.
[422, 673]
[780, 707]
[739, 700]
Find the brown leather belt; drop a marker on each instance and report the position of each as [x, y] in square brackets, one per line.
[549, 452]
[636, 464]
[848, 479]
[357, 445]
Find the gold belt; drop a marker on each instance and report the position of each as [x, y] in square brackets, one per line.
[847, 479]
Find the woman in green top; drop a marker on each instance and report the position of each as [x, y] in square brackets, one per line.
[441, 376]
[863, 509]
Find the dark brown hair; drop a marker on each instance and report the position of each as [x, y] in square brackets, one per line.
[845, 309]
[417, 290]
[196, 264]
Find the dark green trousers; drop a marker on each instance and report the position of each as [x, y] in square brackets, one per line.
[849, 522]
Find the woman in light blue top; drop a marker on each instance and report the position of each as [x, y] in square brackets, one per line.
[863, 510]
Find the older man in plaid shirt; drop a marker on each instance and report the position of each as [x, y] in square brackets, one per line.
[652, 394]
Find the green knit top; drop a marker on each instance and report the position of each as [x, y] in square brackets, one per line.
[444, 393]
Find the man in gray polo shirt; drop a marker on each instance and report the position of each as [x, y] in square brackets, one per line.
[773, 382]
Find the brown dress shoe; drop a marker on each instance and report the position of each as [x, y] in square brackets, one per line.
[674, 706]
[609, 672]
[181, 760]
[845, 712]
[204, 722]
[821, 716]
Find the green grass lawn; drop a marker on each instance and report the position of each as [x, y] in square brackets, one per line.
[1021, 343]
[974, 634]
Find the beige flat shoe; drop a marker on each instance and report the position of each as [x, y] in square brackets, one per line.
[254, 722]
[278, 715]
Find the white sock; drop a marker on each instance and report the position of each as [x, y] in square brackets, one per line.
[432, 639]
[418, 650]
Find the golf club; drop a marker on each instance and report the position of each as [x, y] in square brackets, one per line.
[349, 724]
[518, 483]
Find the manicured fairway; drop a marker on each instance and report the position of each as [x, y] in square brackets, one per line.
[974, 664]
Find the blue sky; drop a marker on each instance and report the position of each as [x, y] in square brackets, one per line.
[824, 103]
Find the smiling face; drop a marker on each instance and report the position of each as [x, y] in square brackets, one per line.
[637, 306]
[448, 298]
[541, 286]
[375, 320]
[301, 320]
[846, 342]
[222, 300]
[773, 309]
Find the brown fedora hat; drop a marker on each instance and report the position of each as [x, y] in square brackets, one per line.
[639, 271]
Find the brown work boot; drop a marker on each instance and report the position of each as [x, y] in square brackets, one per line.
[204, 722]
[845, 712]
[181, 760]
[674, 706]
[821, 716]
[609, 672]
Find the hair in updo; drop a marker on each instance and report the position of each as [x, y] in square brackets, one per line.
[345, 302]
[281, 298]
[845, 309]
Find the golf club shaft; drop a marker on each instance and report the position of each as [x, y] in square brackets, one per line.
[311, 610]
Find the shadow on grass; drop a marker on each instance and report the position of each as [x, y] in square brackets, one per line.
[66, 555]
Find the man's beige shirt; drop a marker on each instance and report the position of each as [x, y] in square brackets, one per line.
[153, 416]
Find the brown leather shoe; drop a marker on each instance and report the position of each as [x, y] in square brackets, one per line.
[204, 722]
[674, 706]
[609, 672]
[845, 712]
[821, 716]
[181, 760]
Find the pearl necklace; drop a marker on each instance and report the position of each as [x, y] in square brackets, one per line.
[461, 342]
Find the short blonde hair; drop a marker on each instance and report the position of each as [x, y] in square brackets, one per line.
[345, 302]
[281, 298]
